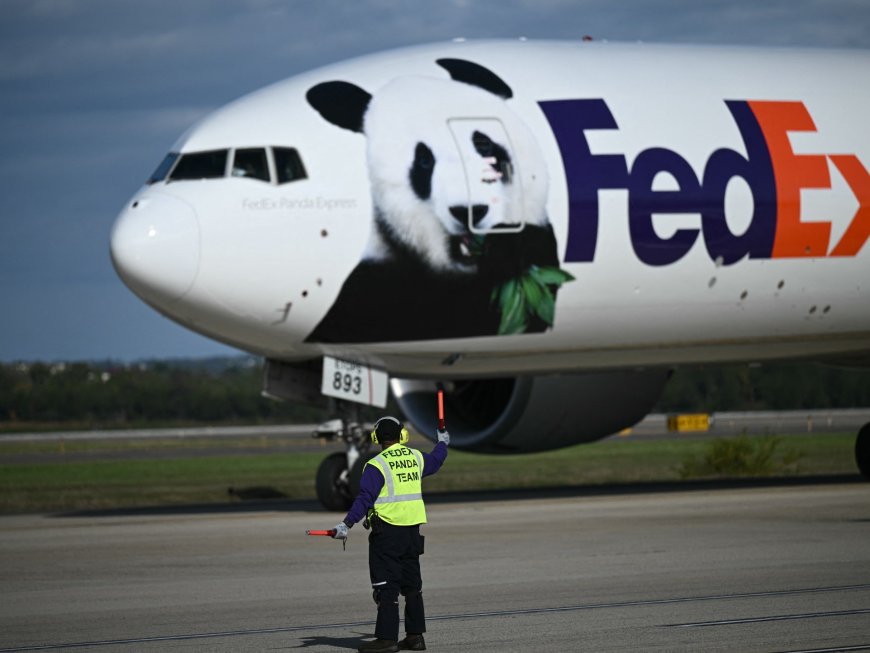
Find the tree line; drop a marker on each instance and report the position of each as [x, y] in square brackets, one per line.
[153, 393]
[227, 390]
[772, 386]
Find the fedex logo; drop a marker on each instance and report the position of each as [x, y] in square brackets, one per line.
[774, 174]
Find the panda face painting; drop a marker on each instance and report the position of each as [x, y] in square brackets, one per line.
[468, 215]
[437, 180]
[460, 212]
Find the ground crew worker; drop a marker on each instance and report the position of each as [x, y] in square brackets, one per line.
[391, 499]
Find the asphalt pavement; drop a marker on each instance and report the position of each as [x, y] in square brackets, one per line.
[771, 568]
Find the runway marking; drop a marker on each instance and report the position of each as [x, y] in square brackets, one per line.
[458, 616]
[625, 604]
[176, 638]
[781, 617]
[837, 649]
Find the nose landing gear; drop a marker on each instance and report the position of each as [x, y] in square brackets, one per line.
[338, 477]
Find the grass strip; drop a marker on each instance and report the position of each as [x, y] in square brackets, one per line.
[81, 485]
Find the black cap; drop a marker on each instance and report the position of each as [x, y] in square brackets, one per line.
[389, 429]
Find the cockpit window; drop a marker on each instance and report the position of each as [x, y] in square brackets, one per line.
[248, 162]
[288, 164]
[164, 168]
[251, 162]
[201, 165]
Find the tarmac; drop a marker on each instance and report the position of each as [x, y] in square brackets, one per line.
[770, 567]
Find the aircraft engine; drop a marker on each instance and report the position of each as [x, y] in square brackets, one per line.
[532, 413]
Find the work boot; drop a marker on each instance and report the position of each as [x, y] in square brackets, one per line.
[379, 646]
[413, 642]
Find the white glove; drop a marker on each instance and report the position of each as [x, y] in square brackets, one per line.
[340, 531]
[443, 436]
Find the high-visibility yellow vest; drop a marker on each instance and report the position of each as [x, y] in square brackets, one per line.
[401, 499]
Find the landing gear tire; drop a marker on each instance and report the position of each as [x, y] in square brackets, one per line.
[355, 475]
[338, 476]
[332, 490]
[862, 451]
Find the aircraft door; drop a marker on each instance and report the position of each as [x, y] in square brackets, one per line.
[492, 185]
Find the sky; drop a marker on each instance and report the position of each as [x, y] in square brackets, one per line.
[94, 92]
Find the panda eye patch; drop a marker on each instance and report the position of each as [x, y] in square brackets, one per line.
[489, 149]
[421, 171]
[423, 156]
[482, 143]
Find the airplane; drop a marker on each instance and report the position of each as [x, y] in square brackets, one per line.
[544, 229]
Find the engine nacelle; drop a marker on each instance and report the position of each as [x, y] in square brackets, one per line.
[525, 414]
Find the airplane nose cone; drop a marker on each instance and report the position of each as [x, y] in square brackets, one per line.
[155, 247]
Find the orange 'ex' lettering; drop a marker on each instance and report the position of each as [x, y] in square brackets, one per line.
[793, 172]
[858, 232]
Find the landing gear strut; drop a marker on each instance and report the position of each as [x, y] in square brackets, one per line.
[338, 477]
[862, 451]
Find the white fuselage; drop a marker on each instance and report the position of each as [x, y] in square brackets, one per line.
[640, 144]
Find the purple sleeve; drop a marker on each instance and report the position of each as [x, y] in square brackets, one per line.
[432, 461]
[370, 485]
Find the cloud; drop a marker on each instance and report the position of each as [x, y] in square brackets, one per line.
[92, 94]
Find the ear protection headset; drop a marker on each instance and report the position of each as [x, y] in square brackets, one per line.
[403, 436]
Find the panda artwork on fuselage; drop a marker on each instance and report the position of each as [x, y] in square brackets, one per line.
[460, 216]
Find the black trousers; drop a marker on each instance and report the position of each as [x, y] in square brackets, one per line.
[394, 567]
